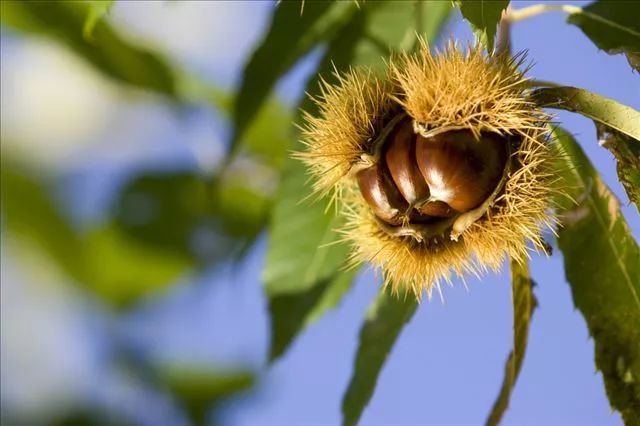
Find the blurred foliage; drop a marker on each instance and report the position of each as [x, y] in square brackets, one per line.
[97, 10]
[613, 26]
[103, 260]
[65, 21]
[605, 277]
[170, 211]
[200, 388]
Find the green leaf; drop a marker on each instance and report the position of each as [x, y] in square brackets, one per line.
[524, 303]
[484, 16]
[97, 10]
[627, 153]
[391, 27]
[618, 127]
[613, 26]
[302, 252]
[200, 387]
[602, 265]
[299, 255]
[291, 313]
[107, 51]
[382, 326]
[290, 36]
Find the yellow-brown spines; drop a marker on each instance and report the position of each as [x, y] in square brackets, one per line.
[458, 114]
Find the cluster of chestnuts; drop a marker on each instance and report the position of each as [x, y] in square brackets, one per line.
[423, 179]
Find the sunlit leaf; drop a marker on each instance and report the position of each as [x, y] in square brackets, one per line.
[290, 36]
[484, 16]
[602, 265]
[97, 10]
[524, 302]
[618, 127]
[383, 324]
[106, 50]
[613, 26]
[606, 111]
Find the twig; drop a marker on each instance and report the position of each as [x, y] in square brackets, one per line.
[515, 15]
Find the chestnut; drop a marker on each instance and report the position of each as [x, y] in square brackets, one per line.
[436, 209]
[460, 170]
[381, 194]
[401, 161]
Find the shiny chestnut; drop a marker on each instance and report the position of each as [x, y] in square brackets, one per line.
[381, 194]
[400, 156]
[460, 170]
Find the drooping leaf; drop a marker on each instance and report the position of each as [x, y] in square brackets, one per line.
[602, 266]
[627, 153]
[291, 313]
[199, 388]
[302, 253]
[291, 35]
[484, 16]
[524, 303]
[97, 10]
[106, 50]
[618, 127]
[382, 326]
[612, 26]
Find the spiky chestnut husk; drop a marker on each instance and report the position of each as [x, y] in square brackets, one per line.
[464, 91]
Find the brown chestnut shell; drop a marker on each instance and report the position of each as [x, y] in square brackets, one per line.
[381, 194]
[401, 160]
[460, 170]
